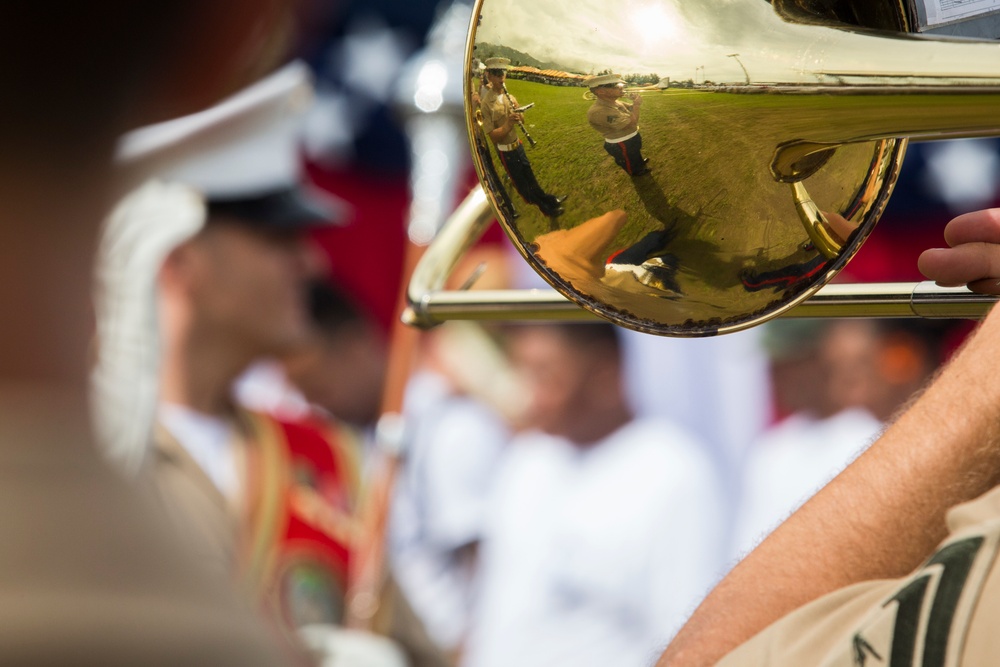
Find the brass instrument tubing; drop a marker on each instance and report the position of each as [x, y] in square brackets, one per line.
[429, 305]
[458, 233]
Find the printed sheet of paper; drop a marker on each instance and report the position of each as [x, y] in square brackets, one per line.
[945, 11]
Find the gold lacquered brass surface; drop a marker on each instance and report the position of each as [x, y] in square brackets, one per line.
[773, 134]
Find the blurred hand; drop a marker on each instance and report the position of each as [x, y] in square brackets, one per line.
[972, 257]
[341, 647]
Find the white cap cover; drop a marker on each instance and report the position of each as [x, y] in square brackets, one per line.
[245, 146]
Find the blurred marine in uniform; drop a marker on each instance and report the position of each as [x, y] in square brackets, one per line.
[500, 119]
[266, 502]
[617, 122]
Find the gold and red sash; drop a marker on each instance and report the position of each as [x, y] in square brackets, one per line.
[299, 523]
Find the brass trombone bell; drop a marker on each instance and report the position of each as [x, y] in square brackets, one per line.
[774, 133]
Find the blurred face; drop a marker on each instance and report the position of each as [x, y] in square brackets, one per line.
[800, 384]
[343, 374]
[250, 284]
[555, 374]
[611, 91]
[496, 77]
[851, 354]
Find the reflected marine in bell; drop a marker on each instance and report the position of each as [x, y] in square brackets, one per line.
[500, 119]
[617, 122]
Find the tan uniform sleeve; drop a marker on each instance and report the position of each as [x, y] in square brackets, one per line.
[489, 122]
[945, 613]
[808, 634]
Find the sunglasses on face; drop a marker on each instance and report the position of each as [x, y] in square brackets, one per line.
[496, 72]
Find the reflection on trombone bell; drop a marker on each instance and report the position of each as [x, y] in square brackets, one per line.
[831, 123]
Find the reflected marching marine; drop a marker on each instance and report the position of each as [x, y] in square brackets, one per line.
[499, 119]
[617, 122]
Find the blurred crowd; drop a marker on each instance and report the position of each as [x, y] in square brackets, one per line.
[535, 494]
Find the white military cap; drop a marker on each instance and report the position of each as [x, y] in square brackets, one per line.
[604, 80]
[244, 152]
[498, 63]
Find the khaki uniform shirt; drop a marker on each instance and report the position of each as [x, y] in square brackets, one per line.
[946, 613]
[612, 119]
[496, 107]
[211, 524]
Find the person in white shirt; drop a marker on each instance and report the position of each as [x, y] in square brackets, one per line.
[458, 408]
[439, 505]
[603, 531]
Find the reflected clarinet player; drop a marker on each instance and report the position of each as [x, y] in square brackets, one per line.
[500, 118]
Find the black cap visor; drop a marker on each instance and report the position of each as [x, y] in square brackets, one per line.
[291, 208]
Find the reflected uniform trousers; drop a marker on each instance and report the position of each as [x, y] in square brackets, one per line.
[515, 161]
[628, 154]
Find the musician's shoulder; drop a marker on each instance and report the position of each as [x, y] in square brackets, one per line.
[948, 607]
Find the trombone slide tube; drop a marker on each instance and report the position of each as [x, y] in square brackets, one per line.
[924, 299]
[876, 300]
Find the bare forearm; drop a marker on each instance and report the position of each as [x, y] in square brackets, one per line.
[881, 518]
